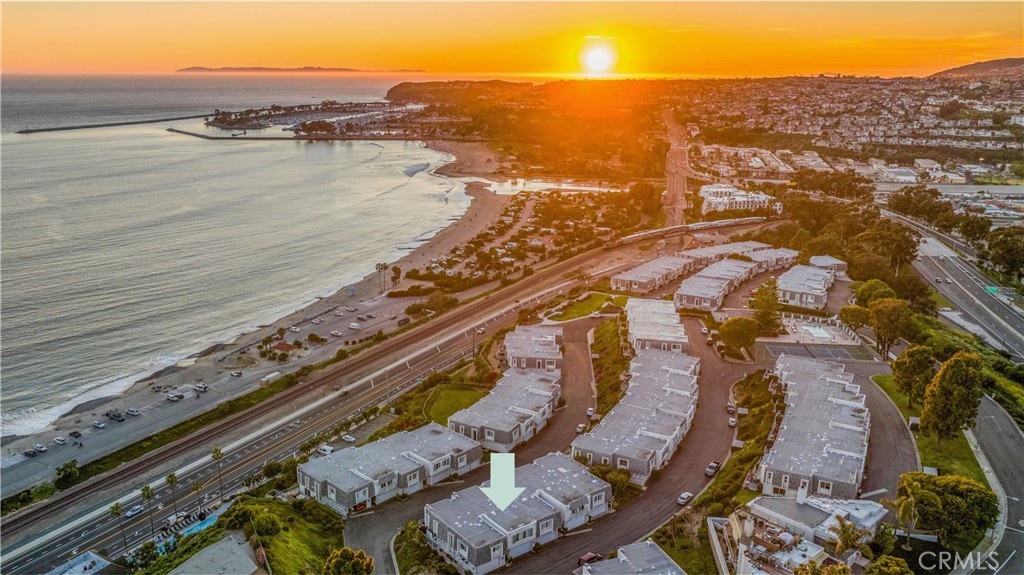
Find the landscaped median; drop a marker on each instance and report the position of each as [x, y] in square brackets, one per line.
[685, 536]
[953, 457]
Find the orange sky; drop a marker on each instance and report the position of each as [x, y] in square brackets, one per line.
[659, 39]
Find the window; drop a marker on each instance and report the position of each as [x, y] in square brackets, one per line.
[605, 461]
[768, 478]
[597, 499]
[590, 458]
[489, 434]
[803, 484]
[462, 461]
[496, 552]
[547, 526]
[785, 481]
[462, 549]
[540, 364]
[462, 429]
[413, 478]
[515, 434]
[473, 434]
[825, 487]
[331, 492]
[522, 535]
[664, 347]
[623, 463]
[434, 528]
[361, 495]
[442, 464]
[550, 364]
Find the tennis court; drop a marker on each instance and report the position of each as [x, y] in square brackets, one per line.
[769, 351]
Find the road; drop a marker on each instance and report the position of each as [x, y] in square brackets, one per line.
[1003, 443]
[938, 264]
[372, 532]
[276, 443]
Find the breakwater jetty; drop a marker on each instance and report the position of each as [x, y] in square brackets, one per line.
[109, 124]
[371, 138]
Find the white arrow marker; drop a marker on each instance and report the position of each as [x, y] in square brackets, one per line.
[503, 490]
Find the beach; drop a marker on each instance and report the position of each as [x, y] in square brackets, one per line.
[213, 365]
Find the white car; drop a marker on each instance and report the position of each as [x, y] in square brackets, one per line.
[294, 329]
[134, 511]
[339, 313]
[236, 374]
[99, 424]
[684, 498]
[595, 314]
[350, 308]
[337, 333]
[133, 411]
[348, 439]
[590, 412]
[704, 330]
[60, 440]
[732, 422]
[39, 447]
[318, 321]
[581, 428]
[354, 325]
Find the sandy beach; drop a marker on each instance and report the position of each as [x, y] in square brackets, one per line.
[214, 364]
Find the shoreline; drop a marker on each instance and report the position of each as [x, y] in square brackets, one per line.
[218, 357]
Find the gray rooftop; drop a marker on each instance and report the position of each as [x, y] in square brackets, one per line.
[727, 269]
[805, 279]
[641, 558]
[471, 513]
[723, 250]
[825, 261]
[534, 341]
[825, 429]
[772, 254]
[654, 319]
[519, 393]
[353, 467]
[225, 557]
[820, 512]
[658, 267]
[698, 286]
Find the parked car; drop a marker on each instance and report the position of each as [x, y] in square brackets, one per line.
[114, 415]
[481, 330]
[361, 317]
[135, 510]
[938, 280]
[337, 333]
[339, 313]
[133, 411]
[392, 316]
[589, 557]
[60, 440]
[30, 452]
[236, 374]
[172, 397]
[350, 308]
[404, 321]
[581, 428]
[99, 424]
[595, 314]
[354, 325]
[730, 407]
[732, 422]
[684, 498]
[590, 412]
[949, 280]
[371, 316]
[348, 439]
[710, 341]
[40, 448]
[201, 387]
[712, 468]
[318, 321]
[325, 450]
[294, 329]
[704, 330]
[75, 433]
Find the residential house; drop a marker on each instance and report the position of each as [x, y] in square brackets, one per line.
[518, 406]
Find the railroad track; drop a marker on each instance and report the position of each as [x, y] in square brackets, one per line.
[348, 368]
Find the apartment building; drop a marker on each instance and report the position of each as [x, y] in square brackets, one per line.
[773, 259]
[805, 286]
[821, 444]
[651, 275]
[835, 265]
[472, 533]
[534, 347]
[707, 288]
[643, 430]
[357, 478]
[640, 558]
[722, 197]
[654, 323]
[519, 405]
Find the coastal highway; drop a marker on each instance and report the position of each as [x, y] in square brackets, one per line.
[276, 442]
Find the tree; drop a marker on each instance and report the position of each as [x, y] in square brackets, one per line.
[952, 398]
[912, 371]
[872, 290]
[849, 537]
[271, 469]
[396, 274]
[1006, 250]
[196, 487]
[885, 540]
[147, 496]
[146, 555]
[891, 319]
[812, 568]
[891, 239]
[911, 494]
[739, 332]
[217, 455]
[267, 524]
[345, 561]
[855, 316]
[67, 474]
[172, 480]
[116, 511]
[967, 510]
[645, 197]
[381, 268]
[766, 307]
[974, 228]
[888, 565]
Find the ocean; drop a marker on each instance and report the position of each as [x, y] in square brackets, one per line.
[124, 249]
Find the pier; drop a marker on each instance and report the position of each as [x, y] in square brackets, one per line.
[370, 138]
[109, 124]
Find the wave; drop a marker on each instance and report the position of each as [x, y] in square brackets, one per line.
[414, 169]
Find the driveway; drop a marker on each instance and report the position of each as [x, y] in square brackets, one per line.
[372, 531]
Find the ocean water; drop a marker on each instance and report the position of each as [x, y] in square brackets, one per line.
[125, 249]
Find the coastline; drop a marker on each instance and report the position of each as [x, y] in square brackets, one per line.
[216, 359]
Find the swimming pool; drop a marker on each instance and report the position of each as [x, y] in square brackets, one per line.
[200, 526]
[817, 331]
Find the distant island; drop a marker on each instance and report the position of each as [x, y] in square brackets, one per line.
[204, 69]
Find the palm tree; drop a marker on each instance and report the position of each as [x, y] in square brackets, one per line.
[849, 537]
[910, 495]
[381, 268]
[217, 455]
[172, 480]
[147, 496]
[117, 511]
[197, 486]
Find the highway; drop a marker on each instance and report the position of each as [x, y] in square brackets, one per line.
[277, 442]
[938, 264]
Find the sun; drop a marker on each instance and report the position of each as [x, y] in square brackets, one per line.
[598, 59]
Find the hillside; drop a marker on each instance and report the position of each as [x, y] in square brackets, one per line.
[1002, 67]
[304, 69]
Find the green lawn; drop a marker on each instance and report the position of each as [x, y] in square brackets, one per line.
[416, 557]
[609, 365]
[449, 400]
[953, 458]
[584, 307]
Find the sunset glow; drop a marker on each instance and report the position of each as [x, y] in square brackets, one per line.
[726, 39]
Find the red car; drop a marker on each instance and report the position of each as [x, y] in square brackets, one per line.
[589, 558]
